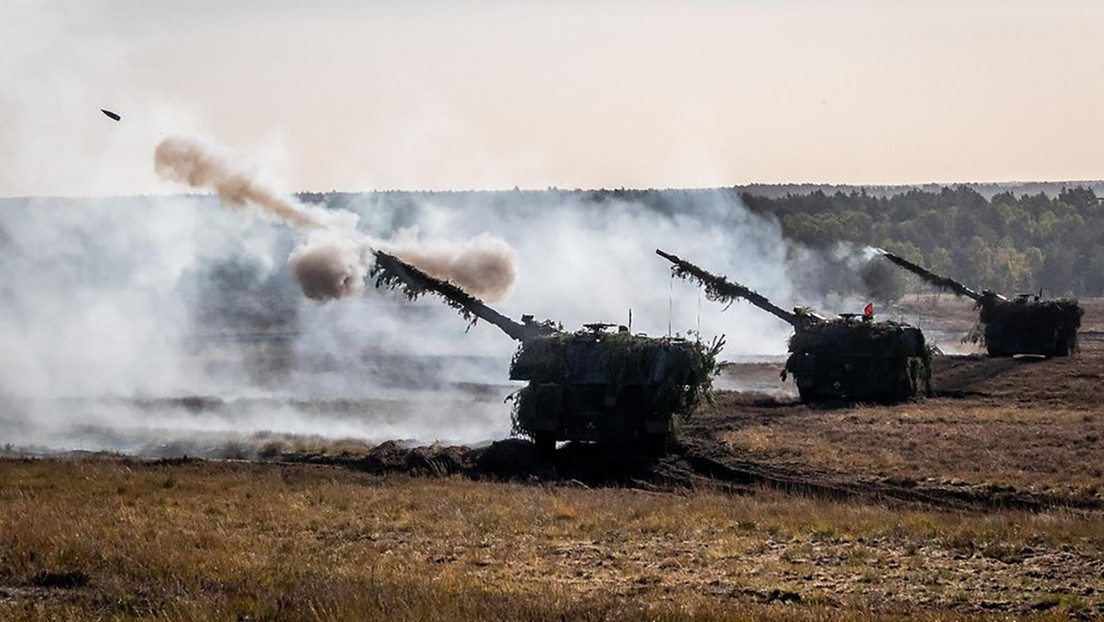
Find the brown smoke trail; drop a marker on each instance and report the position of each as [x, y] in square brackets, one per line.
[188, 161]
[334, 259]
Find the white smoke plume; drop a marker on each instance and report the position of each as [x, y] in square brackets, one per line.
[335, 258]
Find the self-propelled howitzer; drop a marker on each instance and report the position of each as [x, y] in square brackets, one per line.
[851, 357]
[592, 385]
[1024, 325]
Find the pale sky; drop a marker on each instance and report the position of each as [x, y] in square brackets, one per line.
[492, 94]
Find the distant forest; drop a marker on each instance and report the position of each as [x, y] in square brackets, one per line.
[1008, 243]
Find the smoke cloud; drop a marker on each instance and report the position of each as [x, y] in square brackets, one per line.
[162, 325]
[483, 265]
[167, 325]
[330, 266]
[334, 259]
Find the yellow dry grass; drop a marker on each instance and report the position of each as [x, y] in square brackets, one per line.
[947, 440]
[219, 540]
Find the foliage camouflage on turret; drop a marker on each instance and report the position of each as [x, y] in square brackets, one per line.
[415, 284]
[717, 288]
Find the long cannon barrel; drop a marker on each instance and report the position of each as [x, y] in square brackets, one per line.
[720, 288]
[939, 281]
[390, 271]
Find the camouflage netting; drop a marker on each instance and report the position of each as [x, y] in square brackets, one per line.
[679, 373]
[720, 289]
[893, 352]
[1028, 326]
[717, 288]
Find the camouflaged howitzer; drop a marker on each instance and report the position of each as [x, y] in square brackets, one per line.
[851, 357]
[592, 385]
[1024, 325]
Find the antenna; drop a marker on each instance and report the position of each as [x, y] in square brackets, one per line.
[699, 311]
[670, 301]
[630, 319]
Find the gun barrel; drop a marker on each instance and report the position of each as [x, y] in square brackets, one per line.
[720, 288]
[392, 270]
[939, 281]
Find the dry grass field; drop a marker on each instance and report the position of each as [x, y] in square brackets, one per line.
[982, 502]
[1009, 424]
[229, 540]
[1056, 450]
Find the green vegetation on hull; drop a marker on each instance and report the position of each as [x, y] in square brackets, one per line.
[1028, 325]
[852, 357]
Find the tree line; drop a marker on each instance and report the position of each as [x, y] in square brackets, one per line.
[1008, 243]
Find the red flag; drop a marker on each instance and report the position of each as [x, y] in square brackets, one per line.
[868, 310]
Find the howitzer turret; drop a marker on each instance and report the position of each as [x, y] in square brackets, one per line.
[590, 385]
[851, 357]
[1024, 325]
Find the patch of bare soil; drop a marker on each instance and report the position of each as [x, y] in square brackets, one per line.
[696, 464]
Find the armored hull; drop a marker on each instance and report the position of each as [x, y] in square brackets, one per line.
[1029, 326]
[858, 359]
[608, 387]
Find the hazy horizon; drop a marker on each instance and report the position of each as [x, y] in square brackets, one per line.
[343, 95]
[1019, 183]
